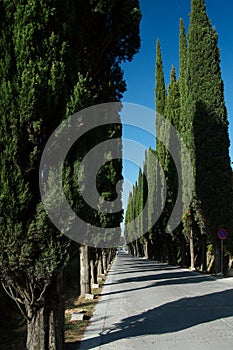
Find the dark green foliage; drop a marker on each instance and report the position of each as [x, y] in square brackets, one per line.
[117, 39]
[33, 67]
[150, 171]
[160, 89]
[182, 73]
[172, 112]
[173, 100]
[56, 57]
[160, 101]
[207, 117]
[162, 133]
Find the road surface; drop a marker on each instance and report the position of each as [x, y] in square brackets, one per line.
[153, 306]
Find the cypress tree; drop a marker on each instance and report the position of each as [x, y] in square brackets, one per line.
[173, 100]
[160, 102]
[160, 89]
[165, 105]
[142, 219]
[188, 221]
[151, 193]
[33, 252]
[129, 231]
[139, 203]
[172, 112]
[182, 72]
[207, 128]
[133, 216]
[145, 205]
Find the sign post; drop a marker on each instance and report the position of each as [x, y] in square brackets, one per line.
[222, 234]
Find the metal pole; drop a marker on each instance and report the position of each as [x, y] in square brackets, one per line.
[222, 257]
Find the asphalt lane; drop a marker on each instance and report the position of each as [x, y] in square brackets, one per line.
[149, 305]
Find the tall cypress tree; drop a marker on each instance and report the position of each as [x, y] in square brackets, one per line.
[160, 103]
[207, 128]
[172, 112]
[152, 192]
[160, 100]
[161, 150]
[184, 128]
[32, 103]
[160, 89]
[130, 230]
[182, 71]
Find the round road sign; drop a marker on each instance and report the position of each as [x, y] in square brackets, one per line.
[222, 233]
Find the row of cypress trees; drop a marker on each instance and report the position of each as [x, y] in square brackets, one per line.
[194, 105]
[56, 57]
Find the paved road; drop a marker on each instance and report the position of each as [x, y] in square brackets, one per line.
[148, 305]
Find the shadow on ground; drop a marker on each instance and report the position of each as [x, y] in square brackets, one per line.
[161, 279]
[168, 318]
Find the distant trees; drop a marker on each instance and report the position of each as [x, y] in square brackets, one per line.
[55, 59]
[195, 107]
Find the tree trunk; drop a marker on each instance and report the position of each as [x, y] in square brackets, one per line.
[84, 271]
[92, 272]
[183, 251]
[93, 257]
[192, 254]
[203, 253]
[37, 329]
[112, 255]
[150, 249]
[104, 257]
[134, 249]
[169, 249]
[45, 327]
[217, 258]
[173, 251]
[57, 316]
[100, 265]
[137, 249]
[145, 248]
[109, 257]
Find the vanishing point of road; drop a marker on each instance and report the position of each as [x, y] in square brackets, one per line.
[153, 306]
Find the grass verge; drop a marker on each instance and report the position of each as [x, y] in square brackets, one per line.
[74, 330]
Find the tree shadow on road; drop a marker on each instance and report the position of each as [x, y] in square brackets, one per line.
[171, 317]
[162, 279]
[166, 276]
[143, 268]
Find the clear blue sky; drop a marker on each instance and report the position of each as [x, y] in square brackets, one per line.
[160, 20]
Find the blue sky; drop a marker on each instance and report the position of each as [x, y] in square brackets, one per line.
[160, 20]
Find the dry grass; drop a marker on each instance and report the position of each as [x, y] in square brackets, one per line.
[74, 330]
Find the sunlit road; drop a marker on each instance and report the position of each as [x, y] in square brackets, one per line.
[147, 305]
